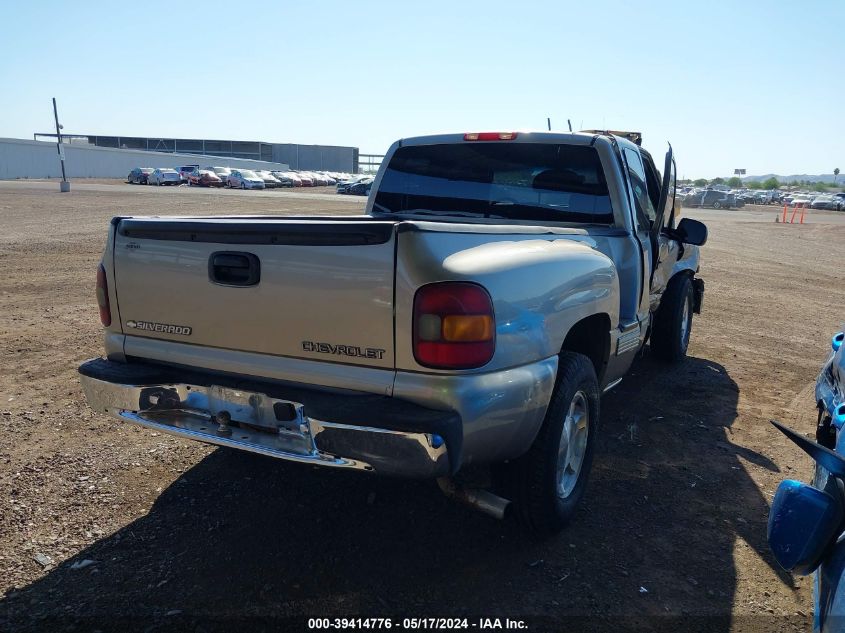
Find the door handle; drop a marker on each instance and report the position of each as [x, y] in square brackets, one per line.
[230, 268]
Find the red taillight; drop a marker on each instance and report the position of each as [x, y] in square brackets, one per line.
[454, 326]
[490, 136]
[103, 296]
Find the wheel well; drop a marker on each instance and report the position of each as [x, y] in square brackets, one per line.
[591, 337]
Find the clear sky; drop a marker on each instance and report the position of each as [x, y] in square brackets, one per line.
[731, 84]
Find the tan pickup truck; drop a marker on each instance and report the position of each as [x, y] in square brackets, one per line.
[497, 285]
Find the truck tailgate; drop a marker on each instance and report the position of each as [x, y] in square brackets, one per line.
[315, 288]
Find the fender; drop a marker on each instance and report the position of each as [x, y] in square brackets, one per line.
[541, 285]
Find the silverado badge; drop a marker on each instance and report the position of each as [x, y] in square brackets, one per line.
[164, 328]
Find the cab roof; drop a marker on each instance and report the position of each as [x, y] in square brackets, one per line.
[635, 137]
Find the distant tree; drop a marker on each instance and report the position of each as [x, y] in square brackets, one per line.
[735, 181]
[771, 183]
[700, 182]
[717, 181]
[835, 174]
[819, 186]
[794, 183]
[755, 184]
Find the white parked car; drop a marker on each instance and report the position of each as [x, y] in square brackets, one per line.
[287, 179]
[164, 176]
[244, 179]
[801, 200]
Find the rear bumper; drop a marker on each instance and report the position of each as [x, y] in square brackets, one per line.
[353, 430]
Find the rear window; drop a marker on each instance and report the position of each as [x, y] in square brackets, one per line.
[527, 181]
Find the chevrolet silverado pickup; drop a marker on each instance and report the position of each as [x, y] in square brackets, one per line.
[496, 286]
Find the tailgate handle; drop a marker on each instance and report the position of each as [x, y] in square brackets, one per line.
[230, 268]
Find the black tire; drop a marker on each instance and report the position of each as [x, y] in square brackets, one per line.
[540, 502]
[669, 337]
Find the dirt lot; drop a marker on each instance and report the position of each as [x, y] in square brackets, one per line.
[186, 537]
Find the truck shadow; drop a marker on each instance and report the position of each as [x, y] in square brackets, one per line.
[241, 541]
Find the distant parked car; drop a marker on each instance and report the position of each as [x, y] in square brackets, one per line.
[244, 179]
[360, 188]
[734, 202]
[343, 187]
[305, 179]
[825, 202]
[287, 179]
[164, 176]
[270, 181]
[184, 170]
[801, 200]
[204, 178]
[222, 172]
[308, 179]
[710, 198]
[139, 175]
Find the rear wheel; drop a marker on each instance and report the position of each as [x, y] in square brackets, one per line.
[551, 478]
[673, 320]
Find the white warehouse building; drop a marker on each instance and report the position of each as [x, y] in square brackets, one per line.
[21, 158]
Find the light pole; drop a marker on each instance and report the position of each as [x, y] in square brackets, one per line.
[64, 185]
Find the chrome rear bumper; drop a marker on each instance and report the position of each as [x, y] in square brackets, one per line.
[223, 413]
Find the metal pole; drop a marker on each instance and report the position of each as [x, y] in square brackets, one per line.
[549, 123]
[64, 186]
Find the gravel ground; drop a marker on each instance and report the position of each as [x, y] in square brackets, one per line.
[111, 527]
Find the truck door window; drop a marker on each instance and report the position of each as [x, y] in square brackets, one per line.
[636, 174]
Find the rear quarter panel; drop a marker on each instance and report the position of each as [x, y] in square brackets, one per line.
[540, 285]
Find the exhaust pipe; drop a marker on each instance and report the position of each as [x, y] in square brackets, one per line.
[478, 498]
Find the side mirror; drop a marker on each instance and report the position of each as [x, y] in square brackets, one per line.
[691, 231]
[803, 522]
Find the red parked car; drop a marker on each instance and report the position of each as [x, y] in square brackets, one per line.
[204, 178]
